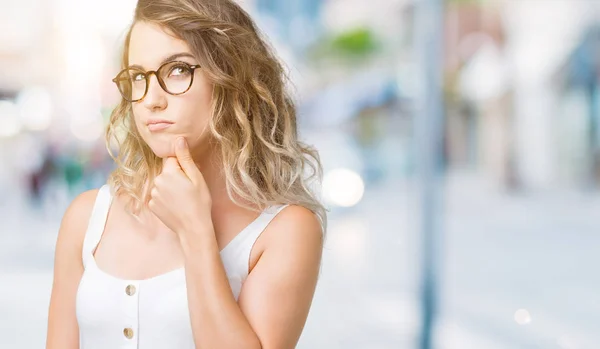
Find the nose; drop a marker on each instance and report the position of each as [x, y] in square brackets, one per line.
[156, 98]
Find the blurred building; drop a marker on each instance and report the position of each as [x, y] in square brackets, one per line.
[296, 21]
[504, 114]
[578, 82]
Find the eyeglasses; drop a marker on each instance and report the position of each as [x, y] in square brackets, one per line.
[174, 78]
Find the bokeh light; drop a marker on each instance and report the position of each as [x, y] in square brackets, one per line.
[343, 187]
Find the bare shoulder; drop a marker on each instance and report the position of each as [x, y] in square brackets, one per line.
[277, 295]
[76, 217]
[296, 226]
[62, 329]
[83, 203]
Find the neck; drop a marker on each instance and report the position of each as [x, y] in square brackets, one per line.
[209, 163]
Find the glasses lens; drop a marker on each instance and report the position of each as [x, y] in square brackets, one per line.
[132, 84]
[177, 77]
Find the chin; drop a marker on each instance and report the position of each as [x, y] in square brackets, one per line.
[162, 148]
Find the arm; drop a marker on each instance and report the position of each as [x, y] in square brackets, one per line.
[275, 300]
[63, 331]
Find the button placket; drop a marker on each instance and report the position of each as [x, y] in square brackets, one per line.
[131, 310]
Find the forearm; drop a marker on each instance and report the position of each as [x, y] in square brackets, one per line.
[217, 320]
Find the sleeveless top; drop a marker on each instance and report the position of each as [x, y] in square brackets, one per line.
[151, 313]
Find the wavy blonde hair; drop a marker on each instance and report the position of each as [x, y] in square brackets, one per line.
[253, 116]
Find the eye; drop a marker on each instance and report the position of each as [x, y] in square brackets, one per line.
[179, 70]
[137, 76]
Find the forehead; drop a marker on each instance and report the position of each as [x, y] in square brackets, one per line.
[150, 43]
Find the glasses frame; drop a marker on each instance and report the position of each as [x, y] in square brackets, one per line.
[149, 73]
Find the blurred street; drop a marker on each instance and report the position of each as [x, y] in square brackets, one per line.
[547, 244]
[501, 97]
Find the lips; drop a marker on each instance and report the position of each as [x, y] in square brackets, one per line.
[158, 124]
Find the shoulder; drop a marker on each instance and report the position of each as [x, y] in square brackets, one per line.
[76, 217]
[68, 269]
[296, 215]
[296, 226]
[81, 207]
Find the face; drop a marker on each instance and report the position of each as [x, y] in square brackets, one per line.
[161, 117]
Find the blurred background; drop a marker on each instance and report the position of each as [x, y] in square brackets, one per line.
[460, 142]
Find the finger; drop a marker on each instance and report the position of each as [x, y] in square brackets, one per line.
[170, 164]
[182, 151]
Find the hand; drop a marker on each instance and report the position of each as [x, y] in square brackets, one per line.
[180, 196]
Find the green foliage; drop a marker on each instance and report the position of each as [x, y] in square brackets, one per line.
[359, 41]
[352, 46]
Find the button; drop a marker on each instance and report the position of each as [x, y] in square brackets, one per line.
[128, 332]
[130, 290]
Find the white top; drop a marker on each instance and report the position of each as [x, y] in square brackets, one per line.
[151, 313]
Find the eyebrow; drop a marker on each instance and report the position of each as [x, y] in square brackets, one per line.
[166, 59]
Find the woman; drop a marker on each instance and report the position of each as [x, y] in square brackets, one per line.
[206, 235]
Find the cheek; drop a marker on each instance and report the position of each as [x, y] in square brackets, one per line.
[200, 95]
[136, 120]
[195, 110]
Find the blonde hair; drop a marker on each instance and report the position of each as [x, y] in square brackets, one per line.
[253, 116]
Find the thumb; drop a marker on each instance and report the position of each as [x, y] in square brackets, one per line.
[182, 151]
